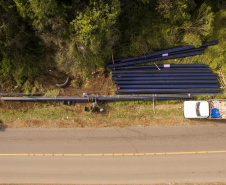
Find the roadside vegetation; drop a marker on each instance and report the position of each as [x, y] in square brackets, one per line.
[44, 42]
[77, 37]
[117, 114]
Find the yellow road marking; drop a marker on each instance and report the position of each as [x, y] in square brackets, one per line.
[116, 154]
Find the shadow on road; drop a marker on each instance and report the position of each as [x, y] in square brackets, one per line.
[2, 126]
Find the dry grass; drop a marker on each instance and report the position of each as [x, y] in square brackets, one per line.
[116, 114]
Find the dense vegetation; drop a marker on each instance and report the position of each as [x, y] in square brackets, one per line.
[77, 36]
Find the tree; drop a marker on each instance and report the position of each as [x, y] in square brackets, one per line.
[19, 47]
[200, 26]
[93, 35]
[175, 11]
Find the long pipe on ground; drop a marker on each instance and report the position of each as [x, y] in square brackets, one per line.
[185, 82]
[172, 50]
[163, 86]
[155, 59]
[164, 78]
[166, 91]
[167, 66]
[163, 69]
[183, 48]
[209, 43]
[164, 75]
[93, 99]
[153, 71]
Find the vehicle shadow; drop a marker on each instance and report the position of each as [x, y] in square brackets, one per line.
[2, 126]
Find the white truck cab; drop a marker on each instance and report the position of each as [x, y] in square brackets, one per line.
[196, 109]
[203, 109]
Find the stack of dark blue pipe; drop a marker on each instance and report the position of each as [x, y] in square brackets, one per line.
[170, 79]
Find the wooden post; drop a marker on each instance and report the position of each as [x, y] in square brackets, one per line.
[157, 66]
[154, 104]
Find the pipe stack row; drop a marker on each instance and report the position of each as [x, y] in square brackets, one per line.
[164, 79]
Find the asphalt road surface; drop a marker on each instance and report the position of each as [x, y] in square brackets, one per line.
[114, 155]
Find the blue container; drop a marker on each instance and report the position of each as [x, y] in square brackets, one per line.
[215, 113]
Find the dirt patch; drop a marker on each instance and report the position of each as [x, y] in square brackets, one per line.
[99, 81]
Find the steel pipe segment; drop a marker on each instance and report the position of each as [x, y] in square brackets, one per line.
[153, 71]
[160, 53]
[164, 75]
[163, 69]
[209, 43]
[100, 98]
[167, 52]
[129, 98]
[156, 59]
[162, 86]
[164, 78]
[166, 91]
[201, 82]
[155, 54]
[202, 66]
[167, 86]
[41, 98]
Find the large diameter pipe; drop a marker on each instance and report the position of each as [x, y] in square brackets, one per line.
[155, 59]
[40, 98]
[162, 66]
[166, 91]
[123, 98]
[167, 82]
[172, 51]
[162, 86]
[152, 71]
[209, 43]
[167, 51]
[92, 99]
[163, 69]
[164, 75]
[158, 53]
[164, 78]
[115, 75]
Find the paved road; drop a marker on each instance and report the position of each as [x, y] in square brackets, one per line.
[126, 170]
[114, 169]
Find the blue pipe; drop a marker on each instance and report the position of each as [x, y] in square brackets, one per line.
[156, 59]
[165, 75]
[166, 91]
[167, 66]
[93, 98]
[164, 78]
[153, 71]
[163, 86]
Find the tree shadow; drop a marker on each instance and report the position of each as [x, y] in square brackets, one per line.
[2, 126]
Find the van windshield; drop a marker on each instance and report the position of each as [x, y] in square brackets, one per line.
[197, 109]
